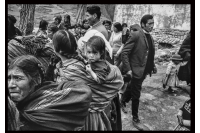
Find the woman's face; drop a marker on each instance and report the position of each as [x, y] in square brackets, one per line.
[50, 34]
[91, 55]
[18, 84]
[115, 29]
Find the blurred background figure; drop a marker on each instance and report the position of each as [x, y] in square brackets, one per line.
[12, 30]
[57, 21]
[85, 25]
[42, 31]
[125, 33]
[107, 25]
[67, 22]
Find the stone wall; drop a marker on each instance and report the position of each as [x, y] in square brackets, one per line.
[173, 16]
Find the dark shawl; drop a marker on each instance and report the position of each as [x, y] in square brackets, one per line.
[184, 73]
[56, 107]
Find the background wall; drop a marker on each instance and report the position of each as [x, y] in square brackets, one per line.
[176, 16]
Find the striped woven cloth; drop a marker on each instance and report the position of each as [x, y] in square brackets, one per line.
[30, 46]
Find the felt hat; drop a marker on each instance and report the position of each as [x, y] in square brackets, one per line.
[176, 57]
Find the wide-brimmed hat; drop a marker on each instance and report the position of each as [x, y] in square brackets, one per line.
[176, 57]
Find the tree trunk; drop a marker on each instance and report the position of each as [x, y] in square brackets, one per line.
[81, 12]
[26, 23]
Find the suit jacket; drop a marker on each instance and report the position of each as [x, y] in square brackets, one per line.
[135, 52]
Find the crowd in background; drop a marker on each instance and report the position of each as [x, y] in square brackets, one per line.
[85, 66]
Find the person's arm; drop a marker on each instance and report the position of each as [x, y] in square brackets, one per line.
[120, 49]
[91, 72]
[110, 41]
[169, 67]
[126, 52]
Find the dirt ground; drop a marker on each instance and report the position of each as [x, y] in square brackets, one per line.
[158, 108]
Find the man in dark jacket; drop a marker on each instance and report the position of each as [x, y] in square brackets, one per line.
[138, 61]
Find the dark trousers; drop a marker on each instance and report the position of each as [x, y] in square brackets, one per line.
[133, 92]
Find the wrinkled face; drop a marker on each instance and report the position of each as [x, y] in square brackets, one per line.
[107, 26]
[50, 34]
[91, 55]
[90, 18]
[18, 84]
[149, 25]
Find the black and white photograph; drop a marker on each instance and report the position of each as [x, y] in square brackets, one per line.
[98, 67]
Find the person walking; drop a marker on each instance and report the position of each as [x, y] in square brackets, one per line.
[138, 61]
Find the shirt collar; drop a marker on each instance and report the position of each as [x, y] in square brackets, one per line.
[145, 32]
[59, 25]
[97, 24]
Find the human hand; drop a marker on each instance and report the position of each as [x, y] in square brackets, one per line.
[130, 73]
[88, 68]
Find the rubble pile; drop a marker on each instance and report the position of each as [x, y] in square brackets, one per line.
[169, 36]
[167, 43]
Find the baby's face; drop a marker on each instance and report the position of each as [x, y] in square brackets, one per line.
[91, 55]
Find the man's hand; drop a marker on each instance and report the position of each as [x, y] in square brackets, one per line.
[130, 73]
[154, 70]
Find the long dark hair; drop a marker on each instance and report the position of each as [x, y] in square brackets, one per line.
[43, 25]
[65, 44]
[30, 66]
[97, 44]
[118, 26]
[11, 27]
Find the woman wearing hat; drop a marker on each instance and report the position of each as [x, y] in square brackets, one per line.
[171, 73]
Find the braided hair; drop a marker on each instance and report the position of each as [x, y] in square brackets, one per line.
[65, 44]
[31, 67]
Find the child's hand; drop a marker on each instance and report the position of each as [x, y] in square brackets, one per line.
[88, 68]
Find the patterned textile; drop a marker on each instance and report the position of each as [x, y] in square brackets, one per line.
[30, 45]
[102, 94]
[13, 116]
[61, 107]
[172, 70]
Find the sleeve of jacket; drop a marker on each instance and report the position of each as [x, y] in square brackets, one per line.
[127, 50]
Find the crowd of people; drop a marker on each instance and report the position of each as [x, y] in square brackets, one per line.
[71, 78]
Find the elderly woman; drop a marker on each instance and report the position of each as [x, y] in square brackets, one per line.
[45, 105]
[72, 68]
